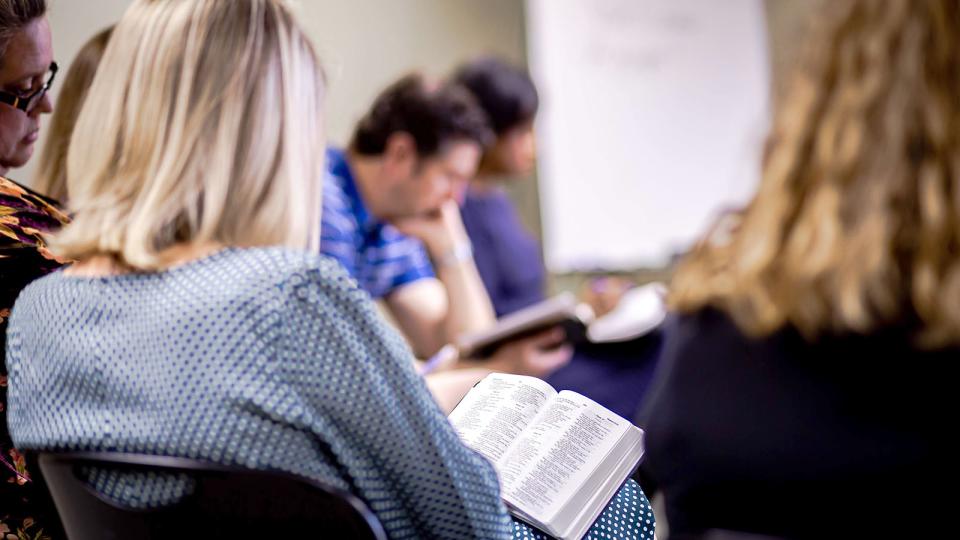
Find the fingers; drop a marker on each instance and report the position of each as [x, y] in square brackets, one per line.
[548, 361]
[439, 230]
[547, 339]
[449, 211]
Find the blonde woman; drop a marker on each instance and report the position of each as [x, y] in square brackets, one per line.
[807, 386]
[194, 323]
[51, 177]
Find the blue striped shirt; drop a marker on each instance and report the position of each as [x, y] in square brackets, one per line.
[376, 254]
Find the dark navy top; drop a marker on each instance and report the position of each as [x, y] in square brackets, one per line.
[845, 437]
[507, 255]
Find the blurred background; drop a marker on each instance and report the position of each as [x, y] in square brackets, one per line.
[626, 85]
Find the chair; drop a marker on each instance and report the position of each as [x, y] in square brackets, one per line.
[224, 502]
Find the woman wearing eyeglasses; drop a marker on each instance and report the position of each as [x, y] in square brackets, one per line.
[26, 72]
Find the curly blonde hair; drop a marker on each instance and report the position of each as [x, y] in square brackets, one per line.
[856, 223]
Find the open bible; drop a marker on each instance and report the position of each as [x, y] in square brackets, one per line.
[560, 456]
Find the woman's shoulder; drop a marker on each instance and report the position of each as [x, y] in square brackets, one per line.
[255, 272]
[18, 199]
[300, 274]
[284, 259]
[25, 216]
[711, 333]
[705, 327]
[316, 296]
[253, 283]
[714, 333]
[298, 266]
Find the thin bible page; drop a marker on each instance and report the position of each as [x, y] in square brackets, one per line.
[494, 413]
[557, 454]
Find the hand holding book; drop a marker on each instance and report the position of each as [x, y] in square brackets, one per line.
[640, 310]
[535, 355]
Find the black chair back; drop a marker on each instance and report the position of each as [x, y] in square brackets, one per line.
[222, 502]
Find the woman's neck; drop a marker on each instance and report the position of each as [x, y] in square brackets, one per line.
[108, 265]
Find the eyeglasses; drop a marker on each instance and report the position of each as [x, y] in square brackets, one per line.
[29, 102]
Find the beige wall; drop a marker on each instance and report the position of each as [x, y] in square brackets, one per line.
[364, 44]
[400, 35]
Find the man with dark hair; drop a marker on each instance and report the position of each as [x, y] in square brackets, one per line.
[26, 71]
[390, 214]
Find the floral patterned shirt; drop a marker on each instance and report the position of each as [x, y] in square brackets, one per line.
[26, 512]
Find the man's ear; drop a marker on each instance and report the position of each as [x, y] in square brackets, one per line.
[400, 149]
[399, 159]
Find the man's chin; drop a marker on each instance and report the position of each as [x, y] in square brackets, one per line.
[433, 213]
[413, 215]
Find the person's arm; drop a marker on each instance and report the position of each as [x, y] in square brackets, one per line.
[449, 387]
[354, 387]
[536, 356]
[432, 312]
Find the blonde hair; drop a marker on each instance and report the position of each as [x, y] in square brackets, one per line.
[856, 223]
[51, 176]
[203, 125]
